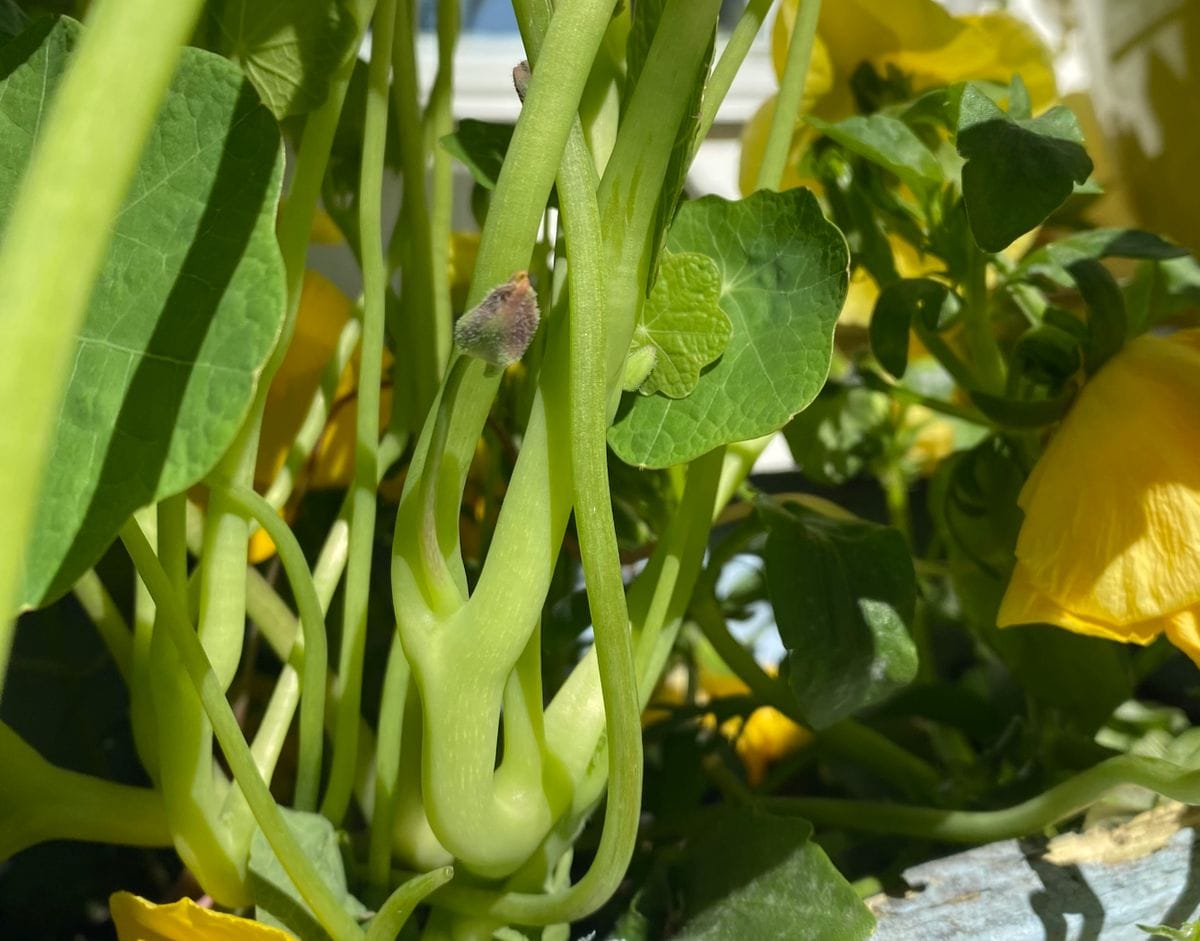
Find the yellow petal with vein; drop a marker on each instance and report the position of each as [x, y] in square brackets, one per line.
[139, 920]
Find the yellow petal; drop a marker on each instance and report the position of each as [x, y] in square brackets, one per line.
[324, 310]
[1024, 603]
[1015, 49]
[1183, 630]
[1112, 509]
[819, 79]
[324, 230]
[139, 920]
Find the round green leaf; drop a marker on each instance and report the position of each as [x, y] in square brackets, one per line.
[783, 271]
[185, 312]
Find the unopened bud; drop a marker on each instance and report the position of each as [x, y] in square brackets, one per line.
[521, 76]
[501, 327]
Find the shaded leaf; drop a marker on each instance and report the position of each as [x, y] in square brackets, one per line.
[844, 594]
[1053, 259]
[277, 900]
[1106, 312]
[750, 875]
[1017, 172]
[839, 434]
[12, 20]
[783, 280]
[930, 303]
[185, 311]
[290, 51]
[480, 146]
[682, 323]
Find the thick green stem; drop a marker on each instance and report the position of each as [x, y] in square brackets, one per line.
[982, 826]
[387, 764]
[40, 802]
[194, 662]
[366, 452]
[791, 95]
[58, 232]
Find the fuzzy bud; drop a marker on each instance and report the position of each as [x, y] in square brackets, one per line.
[521, 74]
[501, 327]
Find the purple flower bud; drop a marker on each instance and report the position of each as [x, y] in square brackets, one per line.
[501, 327]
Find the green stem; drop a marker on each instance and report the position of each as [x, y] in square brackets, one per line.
[313, 425]
[98, 604]
[848, 739]
[366, 452]
[58, 231]
[194, 661]
[941, 351]
[791, 95]
[387, 764]
[986, 358]
[1031, 816]
[312, 623]
[40, 802]
[726, 69]
[392, 915]
[412, 239]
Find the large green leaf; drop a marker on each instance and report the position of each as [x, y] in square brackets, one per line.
[290, 50]
[750, 875]
[12, 20]
[185, 311]
[1017, 172]
[844, 595]
[783, 280]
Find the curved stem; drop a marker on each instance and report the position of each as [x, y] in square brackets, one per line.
[965, 826]
[791, 94]
[111, 625]
[312, 623]
[237, 753]
[392, 915]
[366, 452]
[732, 56]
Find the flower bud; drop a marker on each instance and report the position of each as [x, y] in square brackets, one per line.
[500, 328]
[521, 74]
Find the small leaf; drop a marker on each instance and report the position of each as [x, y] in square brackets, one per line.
[1020, 108]
[480, 146]
[783, 280]
[185, 311]
[1017, 172]
[750, 875]
[290, 51]
[683, 323]
[844, 594]
[930, 303]
[889, 143]
[277, 900]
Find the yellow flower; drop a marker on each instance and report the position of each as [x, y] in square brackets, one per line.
[1110, 545]
[916, 37]
[139, 920]
[759, 740]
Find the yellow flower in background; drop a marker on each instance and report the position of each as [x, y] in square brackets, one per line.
[1110, 545]
[917, 37]
[138, 920]
[759, 740]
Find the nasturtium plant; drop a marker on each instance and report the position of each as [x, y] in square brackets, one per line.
[350, 591]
